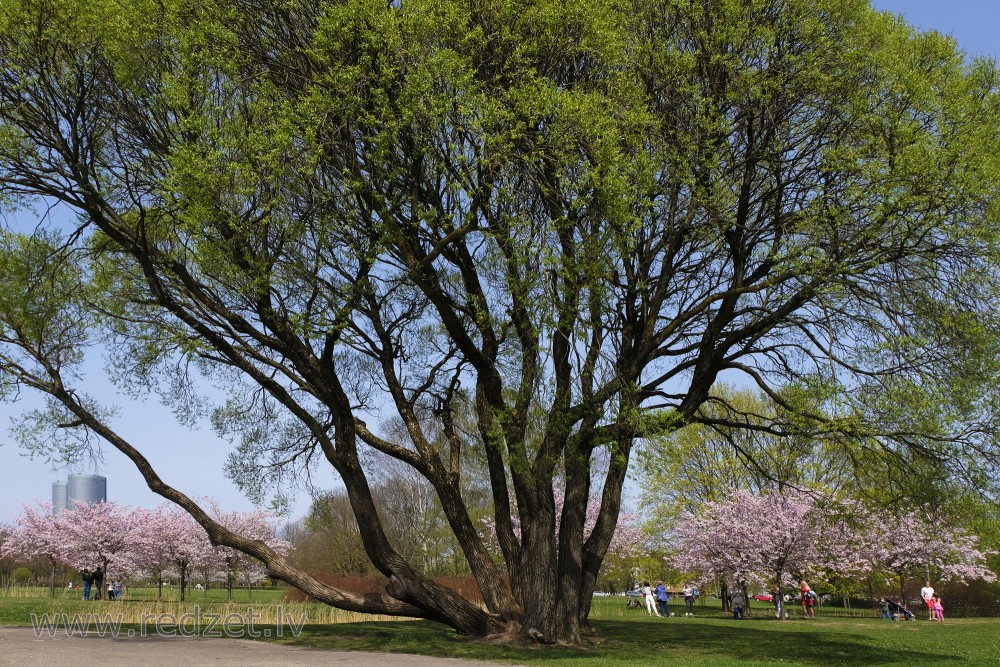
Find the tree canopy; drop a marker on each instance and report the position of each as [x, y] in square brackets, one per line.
[536, 230]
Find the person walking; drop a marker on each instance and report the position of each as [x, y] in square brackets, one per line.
[808, 600]
[884, 604]
[661, 599]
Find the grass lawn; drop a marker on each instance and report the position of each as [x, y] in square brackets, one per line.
[629, 637]
[626, 636]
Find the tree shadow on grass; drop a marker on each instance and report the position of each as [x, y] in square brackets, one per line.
[662, 642]
[761, 640]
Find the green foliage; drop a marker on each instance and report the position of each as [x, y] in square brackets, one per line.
[740, 440]
[568, 221]
[22, 575]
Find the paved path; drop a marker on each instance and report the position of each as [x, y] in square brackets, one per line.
[20, 647]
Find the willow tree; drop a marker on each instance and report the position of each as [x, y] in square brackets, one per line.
[561, 222]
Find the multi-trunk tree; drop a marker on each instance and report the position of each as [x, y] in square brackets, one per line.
[537, 229]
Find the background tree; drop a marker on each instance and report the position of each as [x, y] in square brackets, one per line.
[171, 540]
[329, 539]
[33, 535]
[98, 535]
[771, 539]
[6, 562]
[739, 443]
[238, 566]
[567, 219]
[921, 545]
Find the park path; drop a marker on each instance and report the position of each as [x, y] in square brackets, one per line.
[20, 647]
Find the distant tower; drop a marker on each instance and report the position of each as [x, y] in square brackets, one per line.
[89, 489]
[59, 497]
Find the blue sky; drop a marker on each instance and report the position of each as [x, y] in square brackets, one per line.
[193, 461]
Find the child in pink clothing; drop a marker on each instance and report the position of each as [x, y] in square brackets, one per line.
[938, 608]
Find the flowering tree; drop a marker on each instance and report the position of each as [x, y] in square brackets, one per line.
[126, 540]
[175, 540]
[766, 539]
[101, 535]
[769, 538]
[917, 541]
[254, 525]
[33, 536]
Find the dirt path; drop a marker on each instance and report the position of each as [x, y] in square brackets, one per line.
[20, 647]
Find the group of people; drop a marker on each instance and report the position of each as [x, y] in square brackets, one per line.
[656, 599]
[893, 609]
[935, 610]
[93, 581]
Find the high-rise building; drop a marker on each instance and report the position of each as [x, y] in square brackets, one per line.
[60, 499]
[89, 489]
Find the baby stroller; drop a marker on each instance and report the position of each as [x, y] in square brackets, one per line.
[900, 612]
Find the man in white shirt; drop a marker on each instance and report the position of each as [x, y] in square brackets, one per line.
[927, 593]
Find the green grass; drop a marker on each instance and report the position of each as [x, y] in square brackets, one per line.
[170, 593]
[711, 638]
[630, 637]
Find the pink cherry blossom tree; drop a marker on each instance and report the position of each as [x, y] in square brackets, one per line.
[100, 535]
[173, 541]
[122, 540]
[915, 542]
[254, 525]
[33, 535]
[768, 539]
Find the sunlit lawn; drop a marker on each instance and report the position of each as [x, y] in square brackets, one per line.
[629, 637]
[626, 636]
